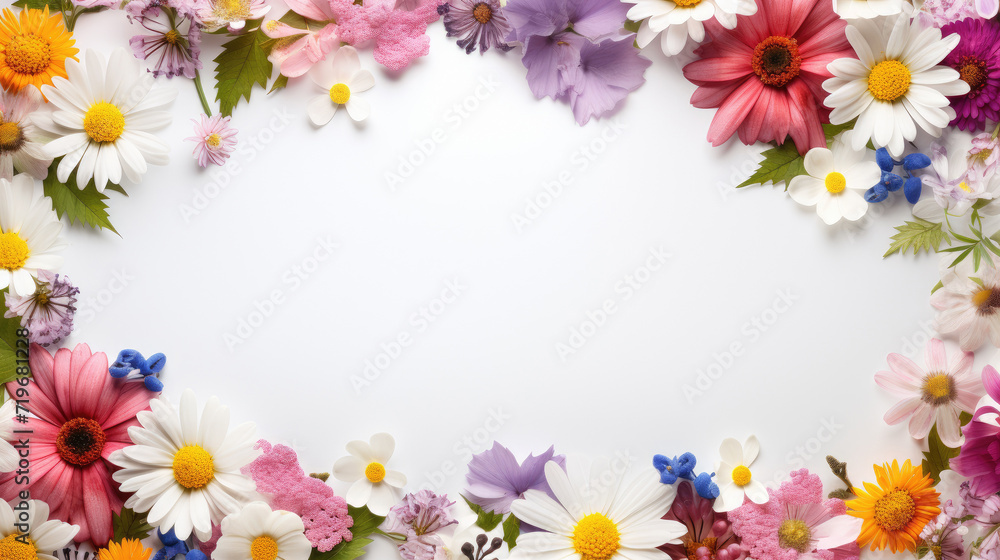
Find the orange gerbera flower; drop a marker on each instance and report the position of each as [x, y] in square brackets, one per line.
[895, 511]
[128, 550]
[33, 48]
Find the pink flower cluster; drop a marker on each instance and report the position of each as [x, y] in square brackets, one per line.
[400, 36]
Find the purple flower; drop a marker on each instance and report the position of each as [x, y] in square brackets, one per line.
[478, 22]
[496, 479]
[945, 532]
[607, 73]
[47, 313]
[593, 19]
[977, 59]
[986, 509]
[979, 459]
[178, 50]
[549, 61]
[423, 513]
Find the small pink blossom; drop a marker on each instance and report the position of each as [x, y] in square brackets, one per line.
[400, 36]
[297, 50]
[214, 140]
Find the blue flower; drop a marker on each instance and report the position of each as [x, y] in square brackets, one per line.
[891, 182]
[672, 470]
[172, 546]
[131, 365]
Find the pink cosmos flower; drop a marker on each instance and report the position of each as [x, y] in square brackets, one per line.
[298, 49]
[938, 394]
[967, 308]
[766, 75]
[214, 140]
[81, 415]
[979, 459]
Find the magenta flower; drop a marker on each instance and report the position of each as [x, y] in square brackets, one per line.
[797, 522]
[48, 312]
[214, 140]
[495, 478]
[709, 534]
[977, 60]
[979, 459]
[938, 394]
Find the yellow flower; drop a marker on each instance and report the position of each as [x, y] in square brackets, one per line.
[895, 511]
[33, 48]
[128, 550]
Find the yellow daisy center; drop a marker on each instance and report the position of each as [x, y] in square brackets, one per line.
[835, 182]
[340, 93]
[263, 548]
[686, 3]
[894, 510]
[172, 36]
[193, 467]
[213, 140]
[889, 80]
[937, 389]
[14, 251]
[986, 301]
[596, 537]
[14, 548]
[28, 54]
[104, 122]
[741, 475]
[375, 472]
[10, 135]
[231, 10]
[795, 534]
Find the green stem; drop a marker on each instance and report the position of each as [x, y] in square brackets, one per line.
[68, 19]
[393, 536]
[201, 94]
[996, 131]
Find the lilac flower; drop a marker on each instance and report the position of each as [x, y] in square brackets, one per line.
[594, 19]
[47, 313]
[607, 73]
[986, 509]
[938, 13]
[214, 140]
[478, 22]
[984, 156]
[420, 517]
[496, 479]
[179, 50]
[945, 533]
[549, 60]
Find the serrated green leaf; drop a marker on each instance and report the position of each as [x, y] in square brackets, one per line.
[129, 525]
[917, 236]
[85, 206]
[511, 530]
[55, 6]
[9, 347]
[346, 550]
[365, 522]
[937, 456]
[779, 165]
[242, 64]
[279, 83]
[486, 520]
[832, 130]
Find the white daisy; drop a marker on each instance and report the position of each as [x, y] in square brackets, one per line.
[595, 516]
[734, 477]
[896, 85]
[340, 80]
[105, 112]
[258, 533]
[184, 467]
[20, 149]
[29, 235]
[44, 535]
[866, 9]
[216, 14]
[373, 484]
[8, 455]
[676, 20]
[835, 181]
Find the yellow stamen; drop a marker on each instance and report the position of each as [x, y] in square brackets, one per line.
[10, 135]
[213, 140]
[340, 93]
[14, 548]
[894, 510]
[14, 251]
[835, 182]
[28, 54]
[795, 534]
[375, 472]
[104, 122]
[193, 467]
[263, 548]
[596, 537]
[889, 80]
[741, 475]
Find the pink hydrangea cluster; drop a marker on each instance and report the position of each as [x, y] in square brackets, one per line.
[400, 36]
[278, 474]
[784, 528]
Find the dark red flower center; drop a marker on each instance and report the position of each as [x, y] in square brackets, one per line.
[776, 60]
[80, 441]
[691, 548]
[973, 71]
[482, 13]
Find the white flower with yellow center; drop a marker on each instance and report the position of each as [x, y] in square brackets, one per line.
[733, 475]
[258, 533]
[594, 516]
[835, 181]
[20, 148]
[340, 80]
[44, 535]
[104, 114]
[897, 85]
[184, 468]
[373, 484]
[676, 20]
[29, 235]
[216, 14]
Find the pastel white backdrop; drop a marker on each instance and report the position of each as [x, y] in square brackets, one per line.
[195, 258]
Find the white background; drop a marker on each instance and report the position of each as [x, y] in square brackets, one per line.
[191, 280]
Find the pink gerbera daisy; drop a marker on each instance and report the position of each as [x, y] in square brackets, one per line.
[766, 75]
[80, 416]
[214, 140]
[938, 394]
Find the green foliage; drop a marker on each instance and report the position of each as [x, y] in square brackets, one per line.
[917, 236]
[346, 550]
[487, 520]
[54, 5]
[85, 206]
[129, 525]
[365, 522]
[937, 456]
[978, 246]
[9, 347]
[511, 530]
[242, 64]
[782, 163]
[279, 83]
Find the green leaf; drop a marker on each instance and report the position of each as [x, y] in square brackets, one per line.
[346, 550]
[279, 83]
[937, 286]
[86, 207]
[365, 522]
[780, 165]
[55, 6]
[917, 236]
[832, 130]
[487, 520]
[937, 456]
[242, 64]
[632, 26]
[511, 530]
[129, 525]
[9, 347]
